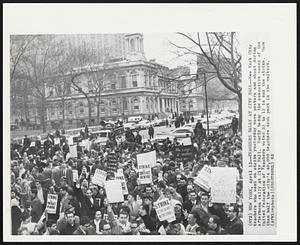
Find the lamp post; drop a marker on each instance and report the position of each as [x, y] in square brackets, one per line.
[206, 103]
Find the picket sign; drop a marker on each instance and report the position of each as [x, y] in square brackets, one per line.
[51, 203]
[186, 141]
[144, 163]
[75, 175]
[70, 141]
[120, 175]
[114, 192]
[73, 151]
[223, 184]
[164, 210]
[99, 177]
[56, 141]
[203, 179]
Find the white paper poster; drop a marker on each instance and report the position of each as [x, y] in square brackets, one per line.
[164, 210]
[51, 203]
[149, 156]
[56, 141]
[70, 141]
[223, 185]
[145, 162]
[73, 151]
[120, 175]
[99, 177]
[186, 141]
[203, 179]
[75, 175]
[114, 191]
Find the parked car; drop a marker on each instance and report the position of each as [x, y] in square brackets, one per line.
[130, 125]
[182, 132]
[144, 124]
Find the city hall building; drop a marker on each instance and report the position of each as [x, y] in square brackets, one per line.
[116, 89]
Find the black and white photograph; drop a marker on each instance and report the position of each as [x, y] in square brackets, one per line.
[107, 142]
[141, 131]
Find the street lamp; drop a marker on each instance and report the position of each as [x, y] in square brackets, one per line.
[202, 71]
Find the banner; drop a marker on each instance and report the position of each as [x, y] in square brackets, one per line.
[99, 177]
[112, 165]
[51, 203]
[114, 192]
[184, 153]
[164, 210]
[120, 175]
[150, 156]
[75, 175]
[223, 185]
[73, 150]
[144, 168]
[203, 179]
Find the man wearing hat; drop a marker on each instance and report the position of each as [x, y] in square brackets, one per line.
[62, 223]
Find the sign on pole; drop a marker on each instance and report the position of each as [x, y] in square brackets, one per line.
[164, 210]
[203, 179]
[51, 203]
[73, 151]
[114, 192]
[120, 175]
[223, 185]
[99, 177]
[144, 168]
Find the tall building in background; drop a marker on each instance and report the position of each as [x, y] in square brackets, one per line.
[105, 45]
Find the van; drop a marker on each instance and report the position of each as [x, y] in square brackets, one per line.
[135, 119]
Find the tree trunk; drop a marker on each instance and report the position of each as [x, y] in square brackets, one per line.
[42, 113]
[63, 112]
[90, 110]
[98, 112]
[240, 111]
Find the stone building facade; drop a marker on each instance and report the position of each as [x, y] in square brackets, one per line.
[131, 86]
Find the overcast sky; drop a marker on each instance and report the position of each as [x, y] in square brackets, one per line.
[157, 46]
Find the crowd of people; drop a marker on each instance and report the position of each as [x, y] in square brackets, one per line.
[83, 207]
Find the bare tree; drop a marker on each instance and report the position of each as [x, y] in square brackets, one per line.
[218, 54]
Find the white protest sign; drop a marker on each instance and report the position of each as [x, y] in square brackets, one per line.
[99, 177]
[186, 141]
[223, 185]
[144, 167]
[164, 210]
[114, 192]
[56, 141]
[203, 179]
[86, 144]
[51, 203]
[120, 175]
[73, 151]
[70, 141]
[75, 175]
[150, 156]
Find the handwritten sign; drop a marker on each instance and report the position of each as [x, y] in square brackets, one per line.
[184, 153]
[164, 210]
[73, 151]
[144, 168]
[75, 175]
[223, 184]
[186, 141]
[114, 191]
[112, 165]
[150, 156]
[99, 177]
[203, 179]
[51, 203]
[120, 175]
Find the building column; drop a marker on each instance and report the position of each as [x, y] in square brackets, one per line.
[163, 105]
